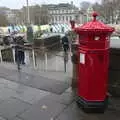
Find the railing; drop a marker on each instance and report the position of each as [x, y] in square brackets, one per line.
[42, 59]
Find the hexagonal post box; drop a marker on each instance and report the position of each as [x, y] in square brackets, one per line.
[93, 56]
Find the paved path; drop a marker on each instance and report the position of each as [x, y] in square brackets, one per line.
[30, 96]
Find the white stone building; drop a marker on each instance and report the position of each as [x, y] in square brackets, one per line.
[63, 13]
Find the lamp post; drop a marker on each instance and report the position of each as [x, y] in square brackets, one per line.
[29, 27]
[28, 12]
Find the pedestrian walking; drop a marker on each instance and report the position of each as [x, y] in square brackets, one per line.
[51, 29]
[63, 30]
[19, 50]
[65, 43]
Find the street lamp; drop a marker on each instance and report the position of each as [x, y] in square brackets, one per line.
[29, 27]
[28, 12]
[112, 8]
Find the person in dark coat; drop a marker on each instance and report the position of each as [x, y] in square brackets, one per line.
[65, 43]
[19, 50]
[51, 29]
[6, 40]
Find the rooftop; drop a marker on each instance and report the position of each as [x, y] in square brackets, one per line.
[61, 5]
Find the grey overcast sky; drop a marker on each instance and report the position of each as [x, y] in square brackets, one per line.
[19, 3]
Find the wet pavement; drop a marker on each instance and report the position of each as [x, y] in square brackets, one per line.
[20, 100]
[35, 81]
[37, 93]
[49, 61]
[20, 92]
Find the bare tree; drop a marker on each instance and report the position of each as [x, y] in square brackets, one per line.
[102, 10]
[109, 10]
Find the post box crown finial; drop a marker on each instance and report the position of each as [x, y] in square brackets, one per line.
[95, 14]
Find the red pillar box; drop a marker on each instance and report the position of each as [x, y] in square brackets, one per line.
[93, 52]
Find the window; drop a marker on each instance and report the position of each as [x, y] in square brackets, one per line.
[51, 12]
[63, 18]
[55, 18]
[52, 18]
[66, 18]
[76, 17]
[57, 11]
[60, 11]
[59, 18]
[69, 11]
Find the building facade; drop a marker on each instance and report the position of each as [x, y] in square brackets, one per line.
[46, 14]
[63, 13]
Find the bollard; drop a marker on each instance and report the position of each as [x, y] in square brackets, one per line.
[1, 57]
[46, 60]
[33, 56]
[65, 65]
[56, 63]
[65, 61]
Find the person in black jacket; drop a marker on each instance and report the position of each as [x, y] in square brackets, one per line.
[19, 50]
[65, 43]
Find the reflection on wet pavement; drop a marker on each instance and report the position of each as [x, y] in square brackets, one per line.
[50, 61]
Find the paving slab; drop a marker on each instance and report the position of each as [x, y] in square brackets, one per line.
[65, 98]
[6, 93]
[110, 114]
[8, 84]
[72, 112]
[16, 118]
[20, 91]
[90, 117]
[2, 118]
[30, 95]
[44, 110]
[49, 85]
[12, 107]
[35, 81]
